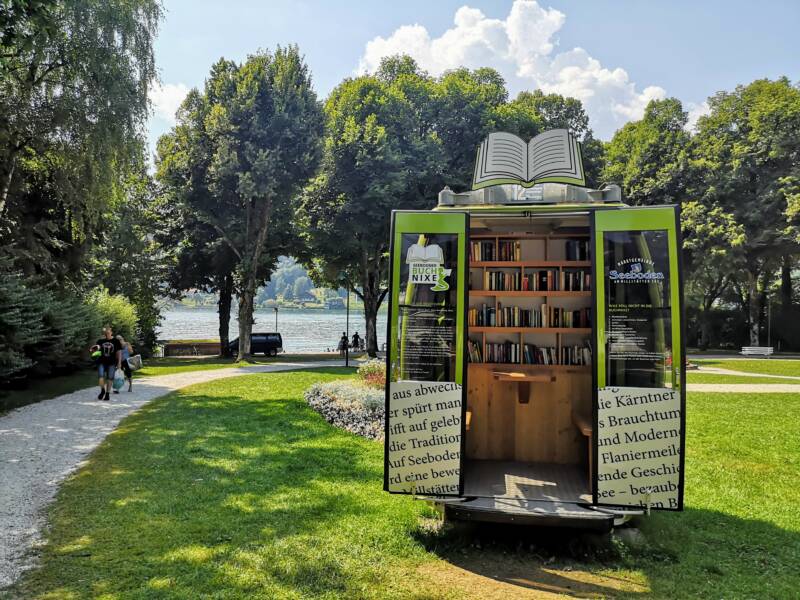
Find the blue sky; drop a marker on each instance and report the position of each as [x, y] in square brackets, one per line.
[613, 54]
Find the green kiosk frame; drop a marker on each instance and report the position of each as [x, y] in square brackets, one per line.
[535, 356]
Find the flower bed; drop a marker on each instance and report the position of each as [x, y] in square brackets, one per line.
[350, 405]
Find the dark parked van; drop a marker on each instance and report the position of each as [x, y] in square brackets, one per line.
[268, 344]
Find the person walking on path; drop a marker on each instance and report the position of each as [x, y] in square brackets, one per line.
[127, 352]
[109, 361]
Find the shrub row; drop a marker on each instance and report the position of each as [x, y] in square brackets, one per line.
[46, 331]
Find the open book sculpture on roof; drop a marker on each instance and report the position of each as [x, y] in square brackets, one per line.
[550, 157]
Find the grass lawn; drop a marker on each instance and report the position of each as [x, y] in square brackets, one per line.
[236, 489]
[695, 377]
[766, 366]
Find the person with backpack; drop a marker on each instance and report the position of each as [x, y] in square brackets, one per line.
[108, 351]
[127, 352]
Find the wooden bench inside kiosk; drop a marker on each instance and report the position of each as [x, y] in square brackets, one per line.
[528, 410]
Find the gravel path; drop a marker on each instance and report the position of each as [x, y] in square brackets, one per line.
[42, 443]
[720, 371]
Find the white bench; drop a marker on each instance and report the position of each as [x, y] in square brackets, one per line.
[756, 351]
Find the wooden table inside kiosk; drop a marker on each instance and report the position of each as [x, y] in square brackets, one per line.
[523, 381]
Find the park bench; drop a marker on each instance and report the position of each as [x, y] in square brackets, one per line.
[756, 351]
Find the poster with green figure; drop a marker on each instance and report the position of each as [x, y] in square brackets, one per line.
[425, 360]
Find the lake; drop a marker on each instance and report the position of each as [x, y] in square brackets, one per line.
[301, 330]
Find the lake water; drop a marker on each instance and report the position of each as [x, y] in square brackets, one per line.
[301, 330]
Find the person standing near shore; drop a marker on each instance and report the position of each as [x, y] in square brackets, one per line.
[109, 361]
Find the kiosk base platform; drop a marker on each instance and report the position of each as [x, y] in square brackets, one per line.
[543, 494]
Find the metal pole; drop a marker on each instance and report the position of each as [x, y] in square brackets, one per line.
[347, 331]
[276, 319]
[769, 322]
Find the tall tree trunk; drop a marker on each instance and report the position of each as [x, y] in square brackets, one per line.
[786, 284]
[372, 295]
[224, 309]
[371, 318]
[753, 306]
[705, 325]
[5, 185]
[257, 226]
[246, 296]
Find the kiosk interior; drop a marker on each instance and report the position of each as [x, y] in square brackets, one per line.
[535, 356]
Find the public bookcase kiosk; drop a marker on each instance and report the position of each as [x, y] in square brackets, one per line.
[535, 356]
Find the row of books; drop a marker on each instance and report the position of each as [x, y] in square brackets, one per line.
[530, 354]
[545, 280]
[577, 250]
[474, 352]
[575, 281]
[514, 316]
[511, 250]
[507, 250]
[566, 355]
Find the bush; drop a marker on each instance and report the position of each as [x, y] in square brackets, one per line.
[373, 373]
[21, 325]
[350, 405]
[117, 312]
[70, 326]
[44, 330]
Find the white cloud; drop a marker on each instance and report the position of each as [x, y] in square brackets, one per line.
[522, 47]
[695, 112]
[166, 99]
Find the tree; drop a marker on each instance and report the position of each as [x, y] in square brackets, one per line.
[192, 217]
[381, 153]
[745, 156]
[129, 262]
[74, 78]
[267, 141]
[648, 157]
[240, 152]
[712, 242]
[465, 104]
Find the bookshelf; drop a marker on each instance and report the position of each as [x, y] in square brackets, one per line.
[530, 298]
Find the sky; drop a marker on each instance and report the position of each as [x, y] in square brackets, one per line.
[614, 55]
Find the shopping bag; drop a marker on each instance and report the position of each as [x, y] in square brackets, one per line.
[119, 379]
[135, 362]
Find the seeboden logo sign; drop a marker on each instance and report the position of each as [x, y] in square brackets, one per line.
[635, 270]
[425, 267]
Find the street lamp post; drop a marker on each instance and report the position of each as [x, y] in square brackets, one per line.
[275, 308]
[347, 332]
[345, 281]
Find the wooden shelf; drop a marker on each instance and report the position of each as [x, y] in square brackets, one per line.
[530, 293]
[532, 263]
[528, 236]
[515, 366]
[481, 329]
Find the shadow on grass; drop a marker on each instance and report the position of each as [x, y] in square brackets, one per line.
[200, 493]
[238, 489]
[697, 553]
